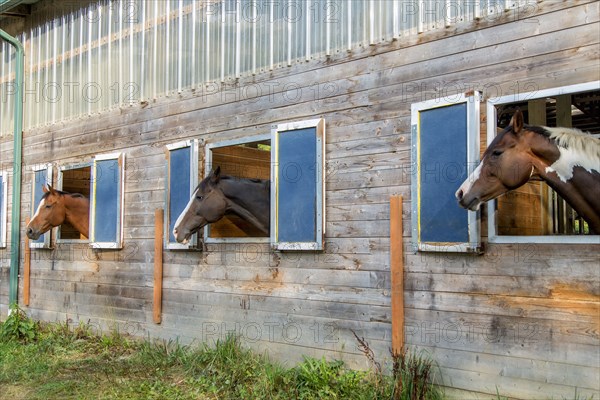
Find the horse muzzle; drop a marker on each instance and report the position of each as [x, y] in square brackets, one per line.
[181, 237]
[469, 202]
[32, 233]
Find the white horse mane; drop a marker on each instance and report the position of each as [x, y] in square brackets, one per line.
[577, 140]
[577, 148]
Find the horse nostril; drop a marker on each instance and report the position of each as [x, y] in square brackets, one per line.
[459, 194]
[29, 231]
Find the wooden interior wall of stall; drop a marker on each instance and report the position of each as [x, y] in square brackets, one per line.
[241, 162]
[76, 180]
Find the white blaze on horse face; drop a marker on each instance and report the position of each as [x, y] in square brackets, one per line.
[182, 215]
[39, 208]
[468, 183]
[573, 153]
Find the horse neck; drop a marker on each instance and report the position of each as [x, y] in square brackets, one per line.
[577, 185]
[249, 199]
[77, 213]
[579, 192]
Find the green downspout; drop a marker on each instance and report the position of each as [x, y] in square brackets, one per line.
[15, 239]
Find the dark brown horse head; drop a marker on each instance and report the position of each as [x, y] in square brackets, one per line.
[507, 163]
[55, 208]
[207, 204]
[219, 195]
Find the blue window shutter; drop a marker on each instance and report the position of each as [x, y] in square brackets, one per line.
[106, 229]
[42, 175]
[298, 212]
[182, 178]
[3, 210]
[445, 146]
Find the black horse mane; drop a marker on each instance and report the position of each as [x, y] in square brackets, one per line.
[540, 130]
[255, 180]
[204, 184]
[74, 195]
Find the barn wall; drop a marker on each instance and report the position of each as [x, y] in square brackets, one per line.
[521, 319]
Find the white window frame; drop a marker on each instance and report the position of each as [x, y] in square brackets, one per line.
[3, 208]
[473, 101]
[319, 125]
[59, 186]
[193, 243]
[47, 242]
[493, 237]
[118, 243]
[207, 170]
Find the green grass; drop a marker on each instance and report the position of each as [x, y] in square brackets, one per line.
[55, 361]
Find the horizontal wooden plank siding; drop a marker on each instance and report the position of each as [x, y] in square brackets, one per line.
[523, 319]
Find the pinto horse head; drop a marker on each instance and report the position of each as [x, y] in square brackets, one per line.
[506, 164]
[567, 159]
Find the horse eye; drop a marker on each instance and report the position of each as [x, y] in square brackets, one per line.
[199, 197]
[48, 205]
[497, 153]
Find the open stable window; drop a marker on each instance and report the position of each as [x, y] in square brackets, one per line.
[182, 179]
[298, 202]
[248, 158]
[3, 209]
[106, 214]
[534, 213]
[445, 148]
[290, 162]
[42, 175]
[75, 178]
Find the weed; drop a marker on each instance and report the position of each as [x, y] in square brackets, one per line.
[18, 326]
[413, 377]
[411, 374]
[319, 379]
[498, 397]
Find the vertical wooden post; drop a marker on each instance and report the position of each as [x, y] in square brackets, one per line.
[564, 119]
[537, 116]
[397, 274]
[158, 265]
[26, 268]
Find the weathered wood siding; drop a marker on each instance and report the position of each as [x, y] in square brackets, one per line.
[521, 319]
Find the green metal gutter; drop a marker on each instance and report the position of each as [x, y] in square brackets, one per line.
[15, 239]
[6, 5]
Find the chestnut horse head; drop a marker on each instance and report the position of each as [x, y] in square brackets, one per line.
[56, 208]
[219, 195]
[567, 159]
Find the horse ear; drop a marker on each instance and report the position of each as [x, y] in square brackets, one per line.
[517, 121]
[50, 189]
[216, 175]
[45, 188]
